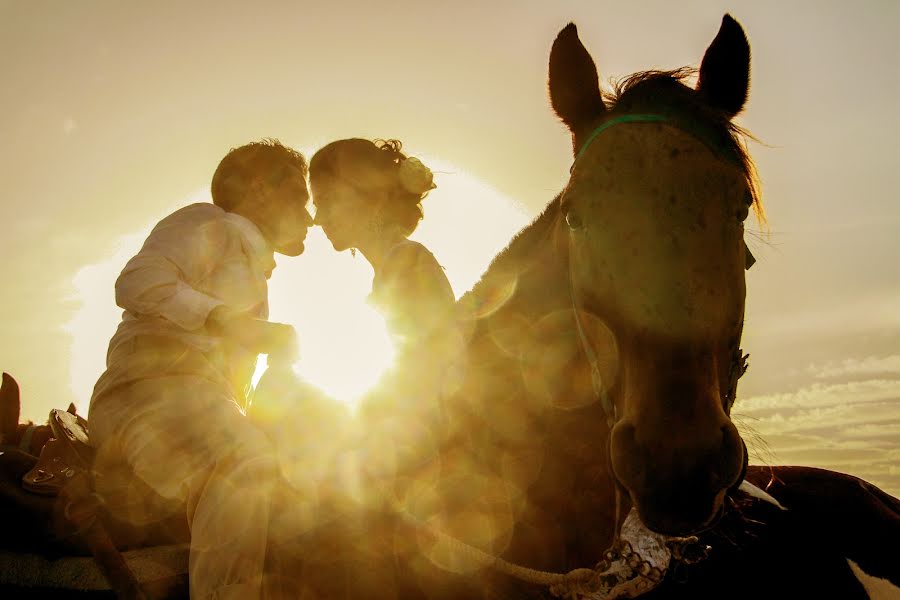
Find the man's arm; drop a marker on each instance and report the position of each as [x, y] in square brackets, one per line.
[278, 340]
[157, 281]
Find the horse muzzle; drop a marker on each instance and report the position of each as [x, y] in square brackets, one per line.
[678, 489]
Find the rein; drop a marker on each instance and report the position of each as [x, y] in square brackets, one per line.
[622, 572]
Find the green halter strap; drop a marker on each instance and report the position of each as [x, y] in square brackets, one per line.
[637, 118]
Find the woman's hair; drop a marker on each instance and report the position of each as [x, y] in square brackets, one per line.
[377, 166]
[241, 167]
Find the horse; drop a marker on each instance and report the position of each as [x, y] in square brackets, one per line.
[594, 402]
[583, 447]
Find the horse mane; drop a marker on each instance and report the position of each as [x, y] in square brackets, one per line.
[665, 92]
[518, 248]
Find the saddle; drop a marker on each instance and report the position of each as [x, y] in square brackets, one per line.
[63, 469]
[64, 457]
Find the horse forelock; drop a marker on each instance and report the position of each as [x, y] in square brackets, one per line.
[667, 94]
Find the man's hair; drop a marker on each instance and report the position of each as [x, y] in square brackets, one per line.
[267, 159]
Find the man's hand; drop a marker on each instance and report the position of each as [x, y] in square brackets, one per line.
[282, 346]
[278, 340]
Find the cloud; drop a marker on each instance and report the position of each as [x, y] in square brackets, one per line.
[869, 366]
[851, 427]
[821, 395]
[873, 312]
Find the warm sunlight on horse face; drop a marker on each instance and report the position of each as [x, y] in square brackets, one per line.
[344, 346]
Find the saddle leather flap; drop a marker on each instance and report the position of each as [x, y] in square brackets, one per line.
[72, 430]
[52, 470]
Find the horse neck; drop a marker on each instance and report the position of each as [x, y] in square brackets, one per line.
[571, 494]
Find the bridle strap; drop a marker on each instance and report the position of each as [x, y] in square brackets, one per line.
[635, 118]
[600, 391]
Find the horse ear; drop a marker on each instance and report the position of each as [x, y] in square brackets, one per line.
[574, 88]
[9, 407]
[725, 71]
[72, 410]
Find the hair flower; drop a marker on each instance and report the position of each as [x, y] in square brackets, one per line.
[415, 177]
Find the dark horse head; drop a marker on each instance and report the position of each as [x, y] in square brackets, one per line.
[654, 209]
[605, 344]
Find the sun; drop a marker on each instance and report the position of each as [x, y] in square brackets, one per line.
[344, 345]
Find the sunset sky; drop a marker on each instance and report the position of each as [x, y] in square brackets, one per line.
[112, 114]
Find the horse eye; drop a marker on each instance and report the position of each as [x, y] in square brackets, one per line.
[573, 220]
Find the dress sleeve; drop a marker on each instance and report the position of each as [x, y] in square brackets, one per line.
[159, 281]
[415, 295]
[419, 307]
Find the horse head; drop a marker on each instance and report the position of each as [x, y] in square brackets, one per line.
[27, 436]
[9, 408]
[654, 211]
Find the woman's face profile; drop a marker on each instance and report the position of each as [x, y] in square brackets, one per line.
[340, 210]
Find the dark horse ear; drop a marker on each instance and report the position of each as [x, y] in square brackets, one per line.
[574, 88]
[9, 408]
[725, 70]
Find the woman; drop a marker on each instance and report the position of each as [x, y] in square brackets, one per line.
[368, 197]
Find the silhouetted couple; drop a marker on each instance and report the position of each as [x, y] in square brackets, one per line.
[195, 299]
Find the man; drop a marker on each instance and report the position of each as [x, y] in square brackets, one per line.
[170, 402]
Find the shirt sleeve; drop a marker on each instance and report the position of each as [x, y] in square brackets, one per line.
[160, 280]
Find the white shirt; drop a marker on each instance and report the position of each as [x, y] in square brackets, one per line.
[194, 260]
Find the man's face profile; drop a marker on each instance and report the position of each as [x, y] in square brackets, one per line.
[284, 213]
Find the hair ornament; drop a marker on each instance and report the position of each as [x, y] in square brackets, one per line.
[415, 177]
